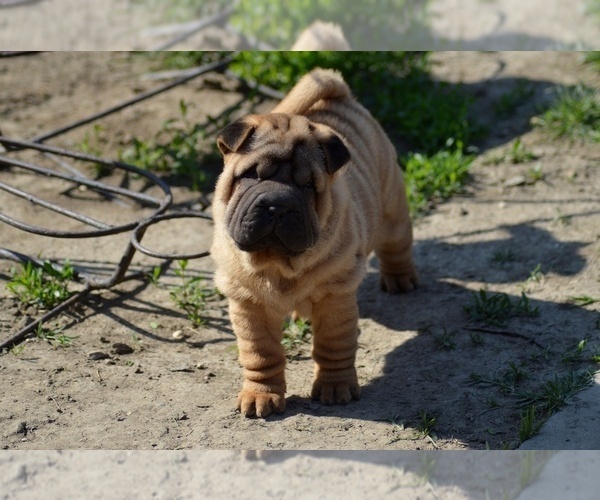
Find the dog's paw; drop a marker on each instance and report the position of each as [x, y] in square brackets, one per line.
[340, 392]
[399, 283]
[260, 404]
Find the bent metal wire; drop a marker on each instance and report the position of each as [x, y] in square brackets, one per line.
[95, 228]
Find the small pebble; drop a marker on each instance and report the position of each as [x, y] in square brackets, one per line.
[97, 355]
[121, 348]
[516, 180]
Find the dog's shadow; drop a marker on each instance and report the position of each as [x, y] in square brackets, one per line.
[437, 346]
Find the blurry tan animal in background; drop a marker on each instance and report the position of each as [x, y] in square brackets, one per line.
[307, 192]
[322, 36]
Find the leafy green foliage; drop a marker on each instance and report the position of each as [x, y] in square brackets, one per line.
[430, 179]
[394, 86]
[175, 150]
[44, 287]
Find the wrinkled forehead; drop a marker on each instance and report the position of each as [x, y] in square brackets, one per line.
[284, 131]
[286, 140]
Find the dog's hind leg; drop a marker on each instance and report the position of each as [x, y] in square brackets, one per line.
[394, 249]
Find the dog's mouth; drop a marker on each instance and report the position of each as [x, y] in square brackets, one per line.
[272, 220]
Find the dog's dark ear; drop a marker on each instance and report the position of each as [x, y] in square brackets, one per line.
[231, 138]
[336, 153]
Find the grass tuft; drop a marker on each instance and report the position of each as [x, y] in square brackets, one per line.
[496, 309]
[575, 114]
[43, 287]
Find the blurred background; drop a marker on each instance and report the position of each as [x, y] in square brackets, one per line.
[263, 24]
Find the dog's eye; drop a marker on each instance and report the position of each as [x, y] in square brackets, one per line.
[250, 173]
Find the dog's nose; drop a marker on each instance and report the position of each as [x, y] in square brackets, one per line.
[276, 211]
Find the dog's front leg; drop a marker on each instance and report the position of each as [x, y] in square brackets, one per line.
[259, 331]
[335, 327]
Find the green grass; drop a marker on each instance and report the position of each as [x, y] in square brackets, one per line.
[174, 150]
[497, 308]
[574, 114]
[516, 154]
[296, 333]
[529, 425]
[54, 336]
[426, 424]
[431, 179]
[583, 300]
[395, 86]
[553, 394]
[445, 340]
[433, 117]
[506, 381]
[593, 57]
[43, 287]
[503, 257]
[192, 294]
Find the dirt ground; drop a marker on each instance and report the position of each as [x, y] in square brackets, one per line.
[449, 25]
[285, 475]
[417, 352]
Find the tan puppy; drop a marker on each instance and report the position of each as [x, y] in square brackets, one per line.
[307, 192]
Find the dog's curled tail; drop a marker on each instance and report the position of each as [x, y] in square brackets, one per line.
[312, 87]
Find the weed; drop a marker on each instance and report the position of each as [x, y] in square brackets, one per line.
[503, 256]
[531, 466]
[535, 276]
[518, 153]
[575, 355]
[506, 381]
[513, 98]
[529, 426]
[430, 179]
[553, 394]
[153, 277]
[174, 150]
[192, 294]
[427, 467]
[54, 336]
[43, 287]
[446, 340]
[593, 56]
[295, 333]
[575, 114]
[426, 424]
[583, 300]
[17, 350]
[497, 309]
[535, 174]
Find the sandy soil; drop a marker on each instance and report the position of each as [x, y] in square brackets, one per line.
[451, 25]
[179, 393]
[284, 475]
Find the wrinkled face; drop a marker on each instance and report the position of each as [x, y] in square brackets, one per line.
[277, 170]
